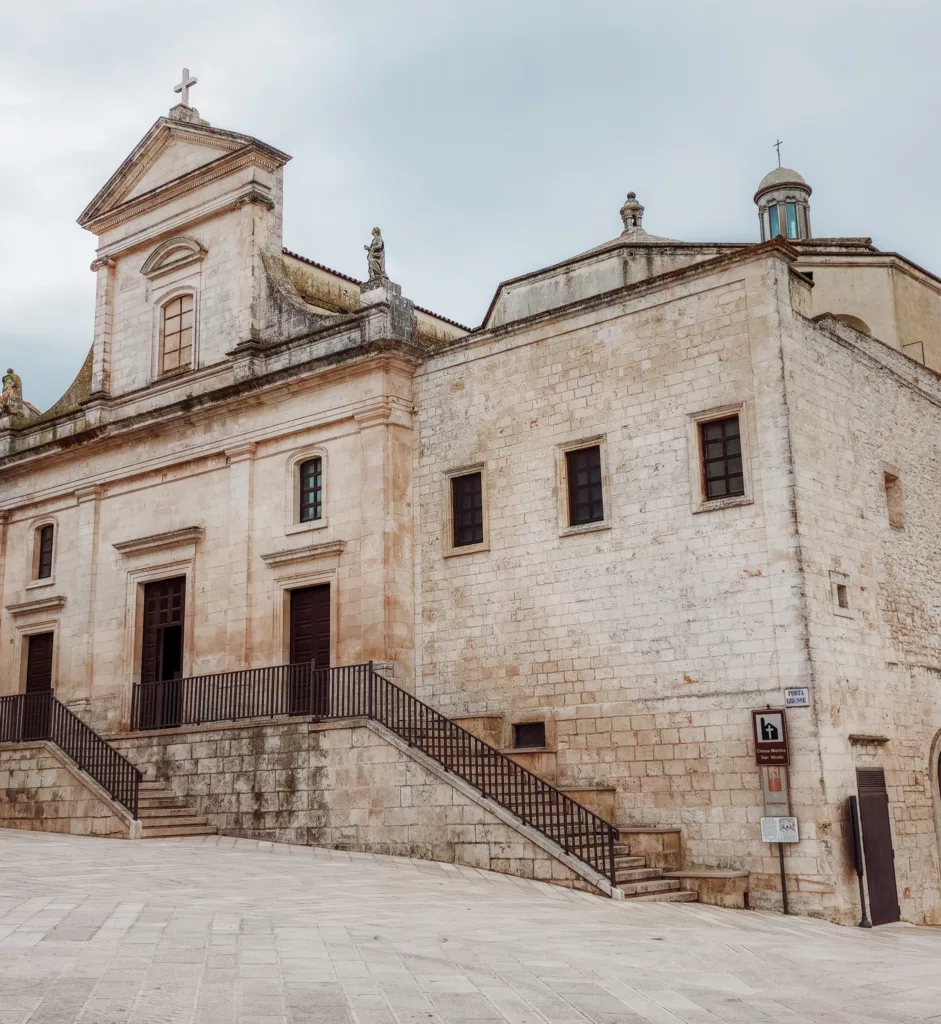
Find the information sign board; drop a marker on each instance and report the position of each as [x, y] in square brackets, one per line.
[775, 791]
[797, 697]
[770, 737]
[779, 830]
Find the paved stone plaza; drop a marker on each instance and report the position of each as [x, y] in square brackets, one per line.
[227, 931]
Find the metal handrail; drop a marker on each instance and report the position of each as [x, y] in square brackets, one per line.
[42, 716]
[358, 690]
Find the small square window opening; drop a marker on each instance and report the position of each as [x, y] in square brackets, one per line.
[467, 510]
[583, 472]
[721, 444]
[529, 735]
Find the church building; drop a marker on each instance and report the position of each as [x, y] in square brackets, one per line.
[662, 486]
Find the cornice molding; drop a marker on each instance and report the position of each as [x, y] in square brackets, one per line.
[157, 541]
[329, 549]
[42, 604]
[196, 179]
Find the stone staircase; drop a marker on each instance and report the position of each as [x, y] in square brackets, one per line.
[644, 884]
[163, 814]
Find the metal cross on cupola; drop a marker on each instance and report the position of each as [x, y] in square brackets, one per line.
[184, 87]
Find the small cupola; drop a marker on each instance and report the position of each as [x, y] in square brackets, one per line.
[783, 201]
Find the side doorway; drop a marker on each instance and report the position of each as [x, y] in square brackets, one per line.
[877, 846]
[310, 650]
[162, 653]
[38, 704]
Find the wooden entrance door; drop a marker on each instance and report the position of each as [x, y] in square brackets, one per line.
[162, 652]
[38, 704]
[877, 845]
[310, 650]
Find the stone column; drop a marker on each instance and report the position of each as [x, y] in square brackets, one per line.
[238, 625]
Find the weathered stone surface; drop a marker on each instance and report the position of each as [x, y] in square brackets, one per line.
[40, 790]
[341, 786]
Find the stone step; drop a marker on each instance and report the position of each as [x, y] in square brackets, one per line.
[185, 817]
[654, 885]
[678, 896]
[163, 802]
[174, 811]
[638, 874]
[629, 862]
[170, 831]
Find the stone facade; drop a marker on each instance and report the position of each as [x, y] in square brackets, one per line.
[641, 640]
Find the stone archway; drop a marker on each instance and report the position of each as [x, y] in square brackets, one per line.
[934, 775]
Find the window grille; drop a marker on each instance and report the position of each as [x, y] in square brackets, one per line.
[44, 566]
[311, 473]
[177, 334]
[583, 471]
[467, 510]
[722, 458]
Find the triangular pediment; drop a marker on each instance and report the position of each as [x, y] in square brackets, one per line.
[174, 151]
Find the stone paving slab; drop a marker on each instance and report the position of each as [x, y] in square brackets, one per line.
[226, 931]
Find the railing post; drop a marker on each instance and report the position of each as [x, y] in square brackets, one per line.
[371, 686]
[614, 874]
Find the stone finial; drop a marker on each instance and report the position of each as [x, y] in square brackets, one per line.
[376, 257]
[632, 213]
[11, 401]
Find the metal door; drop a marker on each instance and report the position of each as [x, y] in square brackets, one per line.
[877, 845]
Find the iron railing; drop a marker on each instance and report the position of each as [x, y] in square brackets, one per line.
[357, 691]
[42, 716]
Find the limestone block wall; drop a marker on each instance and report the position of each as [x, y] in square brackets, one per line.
[647, 640]
[41, 791]
[861, 410]
[343, 786]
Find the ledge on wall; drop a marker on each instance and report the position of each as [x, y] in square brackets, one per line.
[155, 541]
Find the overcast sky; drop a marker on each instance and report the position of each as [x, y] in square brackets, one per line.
[486, 138]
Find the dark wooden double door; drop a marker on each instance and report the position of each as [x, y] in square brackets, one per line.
[38, 704]
[162, 653]
[309, 684]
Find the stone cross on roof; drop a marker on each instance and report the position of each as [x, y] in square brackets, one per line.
[184, 87]
[777, 146]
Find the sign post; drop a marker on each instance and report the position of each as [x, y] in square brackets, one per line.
[772, 756]
[858, 857]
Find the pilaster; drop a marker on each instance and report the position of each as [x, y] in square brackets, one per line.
[104, 319]
[82, 669]
[238, 631]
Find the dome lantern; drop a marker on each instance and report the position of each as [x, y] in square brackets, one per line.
[783, 201]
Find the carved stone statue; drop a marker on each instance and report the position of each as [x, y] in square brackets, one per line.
[376, 257]
[11, 401]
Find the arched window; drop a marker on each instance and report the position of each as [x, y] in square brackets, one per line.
[311, 490]
[176, 334]
[43, 549]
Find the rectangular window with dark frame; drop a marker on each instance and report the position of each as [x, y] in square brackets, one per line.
[583, 472]
[44, 564]
[311, 473]
[529, 735]
[467, 509]
[722, 458]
